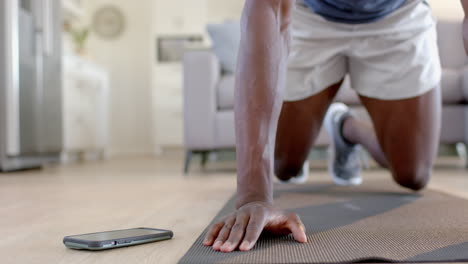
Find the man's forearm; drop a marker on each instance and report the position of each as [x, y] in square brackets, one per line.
[465, 25]
[465, 6]
[259, 80]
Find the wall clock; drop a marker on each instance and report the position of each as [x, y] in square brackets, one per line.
[108, 22]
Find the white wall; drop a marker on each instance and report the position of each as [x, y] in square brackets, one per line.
[447, 9]
[126, 58]
[220, 10]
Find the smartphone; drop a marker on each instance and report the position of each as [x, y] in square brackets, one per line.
[116, 238]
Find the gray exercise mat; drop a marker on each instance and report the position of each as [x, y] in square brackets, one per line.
[375, 222]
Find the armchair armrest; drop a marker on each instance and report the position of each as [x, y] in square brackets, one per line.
[202, 73]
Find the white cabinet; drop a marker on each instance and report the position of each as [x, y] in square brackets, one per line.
[167, 100]
[85, 107]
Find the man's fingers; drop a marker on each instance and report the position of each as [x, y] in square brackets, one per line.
[212, 234]
[252, 232]
[224, 233]
[237, 233]
[297, 228]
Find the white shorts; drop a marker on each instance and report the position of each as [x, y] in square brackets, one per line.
[394, 58]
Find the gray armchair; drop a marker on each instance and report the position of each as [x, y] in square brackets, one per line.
[209, 98]
[208, 123]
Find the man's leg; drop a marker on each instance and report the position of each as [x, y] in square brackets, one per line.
[298, 126]
[359, 132]
[406, 136]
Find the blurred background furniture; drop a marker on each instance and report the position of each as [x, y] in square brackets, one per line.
[30, 83]
[209, 98]
[85, 108]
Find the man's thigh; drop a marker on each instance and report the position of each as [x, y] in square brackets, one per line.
[408, 131]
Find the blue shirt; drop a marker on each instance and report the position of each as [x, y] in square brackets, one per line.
[354, 11]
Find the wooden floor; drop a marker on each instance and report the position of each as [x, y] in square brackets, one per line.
[39, 208]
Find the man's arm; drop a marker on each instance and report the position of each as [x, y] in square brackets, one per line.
[260, 75]
[260, 78]
[465, 24]
[465, 6]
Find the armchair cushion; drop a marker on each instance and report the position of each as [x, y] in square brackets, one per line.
[226, 41]
[226, 92]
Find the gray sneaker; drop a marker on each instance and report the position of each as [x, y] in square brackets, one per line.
[343, 165]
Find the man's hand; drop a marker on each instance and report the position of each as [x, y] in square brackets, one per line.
[242, 228]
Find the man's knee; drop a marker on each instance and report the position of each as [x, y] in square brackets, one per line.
[286, 170]
[415, 178]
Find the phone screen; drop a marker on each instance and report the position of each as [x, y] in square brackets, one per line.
[102, 236]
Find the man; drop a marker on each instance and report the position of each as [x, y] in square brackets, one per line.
[299, 52]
